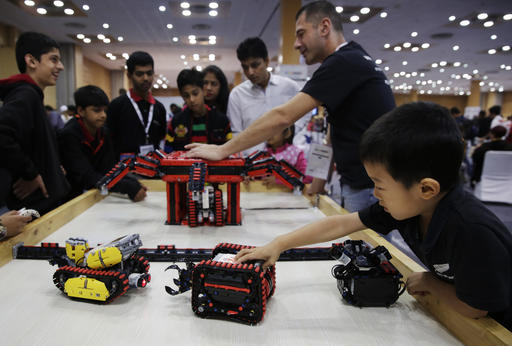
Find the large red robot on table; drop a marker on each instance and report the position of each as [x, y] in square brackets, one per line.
[193, 193]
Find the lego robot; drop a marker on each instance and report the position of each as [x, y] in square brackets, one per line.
[103, 273]
[193, 193]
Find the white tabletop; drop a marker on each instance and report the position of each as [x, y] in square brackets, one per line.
[306, 308]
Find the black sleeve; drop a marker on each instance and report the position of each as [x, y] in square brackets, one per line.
[376, 218]
[17, 123]
[80, 172]
[482, 268]
[336, 78]
[478, 162]
[128, 185]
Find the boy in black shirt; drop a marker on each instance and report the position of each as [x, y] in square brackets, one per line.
[413, 155]
[27, 141]
[86, 147]
[197, 123]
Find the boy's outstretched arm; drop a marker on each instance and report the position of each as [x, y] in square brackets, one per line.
[326, 229]
[421, 283]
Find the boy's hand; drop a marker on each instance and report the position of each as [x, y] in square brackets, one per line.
[23, 188]
[13, 222]
[267, 253]
[141, 194]
[418, 283]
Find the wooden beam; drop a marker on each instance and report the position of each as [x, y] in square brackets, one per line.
[36, 231]
[483, 331]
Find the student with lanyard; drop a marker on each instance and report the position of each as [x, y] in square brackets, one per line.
[136, 120]
[349, 84]
[197, 123]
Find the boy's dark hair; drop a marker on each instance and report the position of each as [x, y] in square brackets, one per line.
[454, 110]
[35, 44]
[498, 131]
[222, 99]
[139, 58]
[316, 11]
[90, 95]
[252, 47]
[189, 77]
[496, 110]
[415, 141]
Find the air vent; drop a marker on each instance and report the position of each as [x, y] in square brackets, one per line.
[75, 25]
[442, 36]
[423, 70]
[201, 27]
[199, 8]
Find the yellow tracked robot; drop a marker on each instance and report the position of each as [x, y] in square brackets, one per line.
[103, 273]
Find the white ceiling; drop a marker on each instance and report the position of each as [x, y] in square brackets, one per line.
[143, 27]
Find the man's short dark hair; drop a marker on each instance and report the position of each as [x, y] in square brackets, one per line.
[252, 47]
[415, 141]
[316, 11]
[35, 44]
[498, 131]
[139, 58]
[189, 77]
[454, 110]
[496, 110]
[90, 95]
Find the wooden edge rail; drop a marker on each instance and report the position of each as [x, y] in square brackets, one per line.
[483, 331]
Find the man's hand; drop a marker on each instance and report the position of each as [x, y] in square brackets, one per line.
[14, 222]
[268, 253]
[210, 152]
[23, 188]
[418, 283]
[141, 194]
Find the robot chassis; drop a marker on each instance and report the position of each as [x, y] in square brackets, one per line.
[100, 274]
[193, 194]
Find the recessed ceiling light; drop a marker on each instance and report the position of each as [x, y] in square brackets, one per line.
[58, 3]
[414, 34]
[185, 63]
[465, 65]
[365, 10]
[87, 40]
[434, 65]
[213, 5]
[397, 48]
[491, 51]
[502, 66]
[387, 45]
[441, 70]
[126, 56]
[213, 13]
[456, 47]
[354, 18]
[113, 57]
[482, 16]
[383, 14]
[164, 86]
[356, 31]
[475, 71]
[106, 26]
[155, 86]
[182, 56]
[80, 36]
[169, 26]
[108, 55]
[159, 81]
[422, 74]
[69, 11]
[211, 57]
[402, 73]
[464, 22]
[161, 8]
[100, 37]
[386, 68]
[186, 13]
[414, 74]
[175, 39]
[489, 23]
[195, 57]
[212, 37]
[378, 61]
[425, 45]
[442, 63]
[452, 18]
[493, 37]
[185, 5]
[404, 62]
[507, 16]
[192, 41]
[120, 38]
[106, 40]
[199, 68]
[339, 9]
[415, 49]
[406, 44]
[29, 3]
[41, 10]
[85, 7]
[396, 74]
[505, 48]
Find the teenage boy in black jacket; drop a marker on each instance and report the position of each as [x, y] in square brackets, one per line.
[27, 142]
[86, 147]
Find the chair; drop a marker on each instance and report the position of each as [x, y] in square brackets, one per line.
[496, 182]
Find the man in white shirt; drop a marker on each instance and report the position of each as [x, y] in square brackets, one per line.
[260, 93]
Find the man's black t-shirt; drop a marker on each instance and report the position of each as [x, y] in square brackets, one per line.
[126, 129]
[465, 245]
[355, 92]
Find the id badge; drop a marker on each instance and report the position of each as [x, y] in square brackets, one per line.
[319, 161]
[144, 149]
